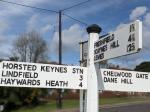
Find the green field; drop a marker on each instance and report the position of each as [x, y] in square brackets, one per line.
[50, 106]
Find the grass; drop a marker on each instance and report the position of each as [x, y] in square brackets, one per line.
[41, 108]
[51, 106]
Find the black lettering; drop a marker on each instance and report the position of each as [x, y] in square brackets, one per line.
[56, 83]
[80, 84]
[114, 44]
[65, 83]
[7, 81]
[65, 69]
[16, 66]
[48, 83]
[81, 77]
[117, 74]
[132, 28]
[73, 70]
[142, 76]
[33, 82]
[43, 68]
[99, 56]
[131, 37]
[38, 82]
[108, 73]
[110, 80]
[20, 67]
[77, 71]
[131, 47]
[7, 66]
[100, 49]
[104, 40]
[19, 74]
[30, 82]
[126, 81]
[54, 69]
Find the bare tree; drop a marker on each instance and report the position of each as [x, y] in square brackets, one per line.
[30, 47]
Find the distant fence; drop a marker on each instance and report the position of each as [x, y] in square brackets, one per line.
[105, 94]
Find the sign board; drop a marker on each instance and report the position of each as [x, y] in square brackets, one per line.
[124, 41]
[21, 74]
[121, 80]
[85, 50]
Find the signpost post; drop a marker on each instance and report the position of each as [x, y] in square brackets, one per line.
[92, 87]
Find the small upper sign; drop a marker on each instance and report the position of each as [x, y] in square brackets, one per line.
[124, 41]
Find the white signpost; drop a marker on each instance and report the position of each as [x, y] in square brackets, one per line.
[92, 87]
[121, 80]
[21, 74]
[124, 41]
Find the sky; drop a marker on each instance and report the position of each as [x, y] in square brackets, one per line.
[108, 14]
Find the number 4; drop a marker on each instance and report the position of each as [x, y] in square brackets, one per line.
[131, 38]
[80, 84]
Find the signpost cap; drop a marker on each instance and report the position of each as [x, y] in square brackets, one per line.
[94, 29]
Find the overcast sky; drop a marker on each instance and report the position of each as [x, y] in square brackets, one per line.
[109, 14]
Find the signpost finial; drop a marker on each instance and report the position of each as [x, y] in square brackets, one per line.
[94, 29]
